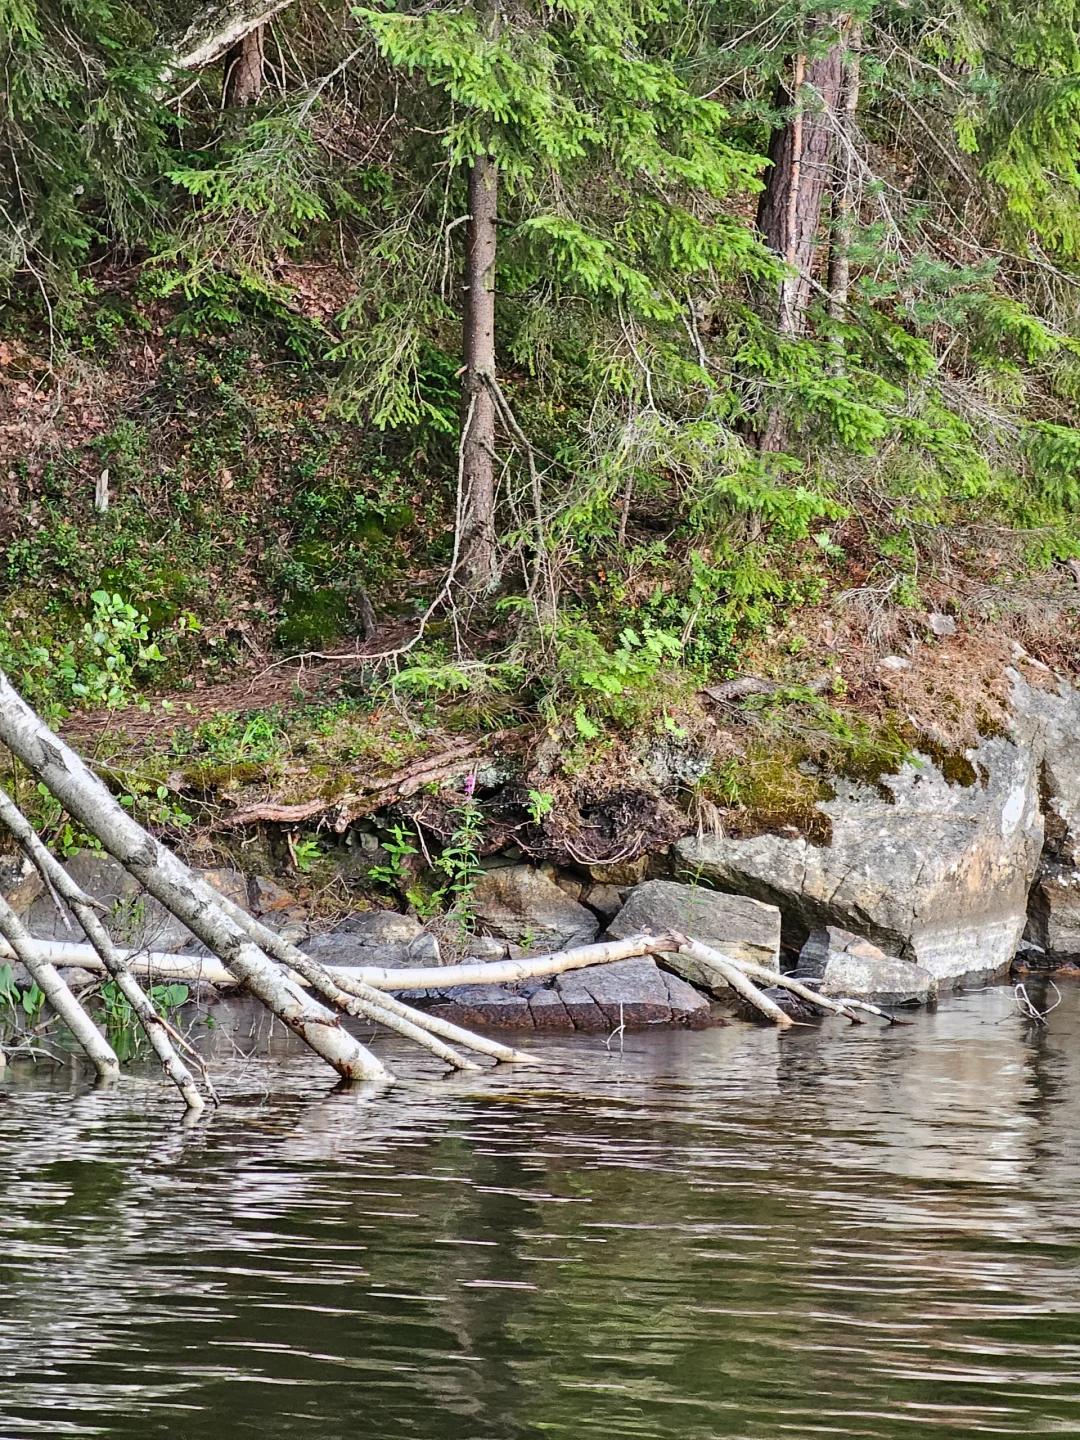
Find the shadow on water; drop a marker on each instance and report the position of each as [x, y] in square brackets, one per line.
[847, 1232]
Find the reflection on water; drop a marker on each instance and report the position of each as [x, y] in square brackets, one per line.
[846, 1232]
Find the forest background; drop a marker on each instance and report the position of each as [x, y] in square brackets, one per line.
[675, 398]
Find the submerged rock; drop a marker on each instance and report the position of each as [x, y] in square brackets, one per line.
[520, 903]
[743, 928]
[846, 964]
[935, 872]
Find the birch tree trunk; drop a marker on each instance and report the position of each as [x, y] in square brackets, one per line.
[166, 877]
[478, 401]
[56, 992]
[61, 883]
[244, 69]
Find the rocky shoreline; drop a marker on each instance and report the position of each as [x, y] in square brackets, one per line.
[928, 883]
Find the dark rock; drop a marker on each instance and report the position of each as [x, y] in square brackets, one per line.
[548, 1010]
[629, 991]
[790, 1004]
[583, 1010]
[592, 1000]
[605, 900]
[1054, 912]
[688, 1006]
[484, 1005]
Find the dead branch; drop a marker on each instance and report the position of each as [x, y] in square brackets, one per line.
[26, 948]
[351, 806]
[61, 884]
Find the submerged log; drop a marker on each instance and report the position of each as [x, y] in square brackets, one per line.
[157, 1031]
[23, 945]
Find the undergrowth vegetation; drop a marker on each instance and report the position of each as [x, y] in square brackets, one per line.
[231, 361]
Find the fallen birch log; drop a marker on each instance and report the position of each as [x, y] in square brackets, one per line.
[292, 956]
[733, 975]
[27, 950]
[61, 884]
[165, 877]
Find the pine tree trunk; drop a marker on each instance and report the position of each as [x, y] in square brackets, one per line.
[244, 69]
[478, 442]
[789, 213]
[845, 190]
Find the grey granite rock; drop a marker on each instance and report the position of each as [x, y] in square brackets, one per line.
[743, 928]
[937, 873]
[520, 903]
[846, 964]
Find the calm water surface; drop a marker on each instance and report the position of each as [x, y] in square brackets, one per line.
[846, 1232]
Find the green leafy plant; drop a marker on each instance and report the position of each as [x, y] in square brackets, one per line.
[541, 803]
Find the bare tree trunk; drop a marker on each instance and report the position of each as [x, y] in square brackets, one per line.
[244, 69]
[56, 992]
[478, 442]
[166, 877]
[845, 189]
[789, 211]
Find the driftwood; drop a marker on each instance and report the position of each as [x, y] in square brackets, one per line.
[158, 1032]
[351, 806]
[165, 877]
[735, 976]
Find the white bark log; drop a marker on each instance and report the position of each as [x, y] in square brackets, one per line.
[292, 956]
[168, 966]
[508, 972]
[58, 879]
[165, 877]
[731, 975]
[788, 982]
[55, 990]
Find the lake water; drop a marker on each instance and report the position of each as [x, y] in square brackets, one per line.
[838, 1232]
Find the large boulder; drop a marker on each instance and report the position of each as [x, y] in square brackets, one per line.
[932, 871]
[847, 965]
[520, 903]
[743, 928]
[1050, 720]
